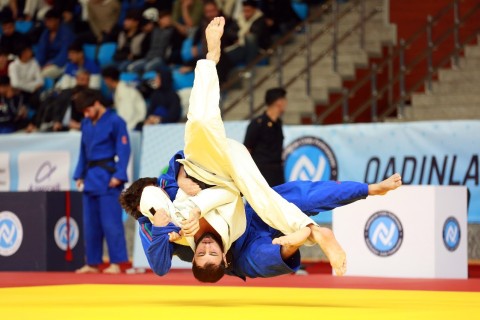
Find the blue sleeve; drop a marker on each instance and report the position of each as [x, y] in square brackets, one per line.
[66, 37]
[40, 52]
[158, 249]
[313, 197]
[82, 161]
[122, 150]
[263, 259]
[168, 180]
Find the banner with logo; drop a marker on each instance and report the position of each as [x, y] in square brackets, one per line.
[424, 153]
[46, 161]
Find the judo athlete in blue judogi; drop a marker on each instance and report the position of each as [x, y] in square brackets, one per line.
[253, 254]
[101, 172]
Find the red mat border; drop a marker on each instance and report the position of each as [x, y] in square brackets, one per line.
[27, 279]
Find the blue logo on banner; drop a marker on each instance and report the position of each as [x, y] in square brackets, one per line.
[60, 233]
[451, 234]
[309, 158]
[383, 233]
[11, 233]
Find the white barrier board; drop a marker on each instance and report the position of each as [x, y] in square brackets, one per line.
[412, 232]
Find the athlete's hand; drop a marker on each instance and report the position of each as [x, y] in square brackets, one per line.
[79, 184]
[191, 226]
[186, 184]
[174, 236]
[161, 218]
[189, 187]
[114, 182]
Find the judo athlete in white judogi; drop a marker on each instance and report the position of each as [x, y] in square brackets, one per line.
[227, 166]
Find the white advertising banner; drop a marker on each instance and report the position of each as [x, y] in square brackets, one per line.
[44, 171]
[46, 161]
[4, 171]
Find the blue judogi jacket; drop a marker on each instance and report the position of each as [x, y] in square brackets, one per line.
[253, 254]
[102, 142]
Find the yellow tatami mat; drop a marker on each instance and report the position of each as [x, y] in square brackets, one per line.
[82, 302]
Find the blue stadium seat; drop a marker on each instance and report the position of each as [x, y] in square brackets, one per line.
[106, 52]
[150, 75]
[301, 9]
[182, 80]
[23, 26]
[131, 78]
[90, 51]
[48, 83]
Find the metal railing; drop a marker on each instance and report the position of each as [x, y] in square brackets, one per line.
[282, 60]
[396, 102]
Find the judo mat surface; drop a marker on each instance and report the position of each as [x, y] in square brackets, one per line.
[70, 296]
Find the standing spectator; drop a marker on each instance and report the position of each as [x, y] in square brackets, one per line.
[4, 62]
[187, 15]
[131, 44]
[52, 50]
[264, 137]
[76, 62]
[103, 16]
[158, 32]
[127, 100]
[10, 39]
[13, 113]
[253, 36]
[164, 106]
[104, 138]
[25, 76]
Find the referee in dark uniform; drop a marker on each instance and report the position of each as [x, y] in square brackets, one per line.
[264, 137]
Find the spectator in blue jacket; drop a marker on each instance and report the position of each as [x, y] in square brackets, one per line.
[52, 50]
[76, 62]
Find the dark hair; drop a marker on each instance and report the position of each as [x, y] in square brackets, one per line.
[4, 52]
[75, 46]
[87, 98]
[7, 19]
[24, 47]
[164, 13]
[111, 72]
[53, 14]
[209, 272]
[4, 81]
[250, 3]
[274, 94]
[130, 198]
[212, 2]
[134, 14]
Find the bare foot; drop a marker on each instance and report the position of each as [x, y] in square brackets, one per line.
[389, 184]
[332, 249]
[295, 239]
[213, 34]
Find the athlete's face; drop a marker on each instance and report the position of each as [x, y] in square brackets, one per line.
[93, 112]
[208, 251]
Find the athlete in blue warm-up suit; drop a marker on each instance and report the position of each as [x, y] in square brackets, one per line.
[253, 254]
[102, 171]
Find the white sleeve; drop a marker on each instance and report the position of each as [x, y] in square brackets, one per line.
[211, 198]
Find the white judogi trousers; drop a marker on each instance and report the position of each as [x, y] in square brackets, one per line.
[213, 158]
